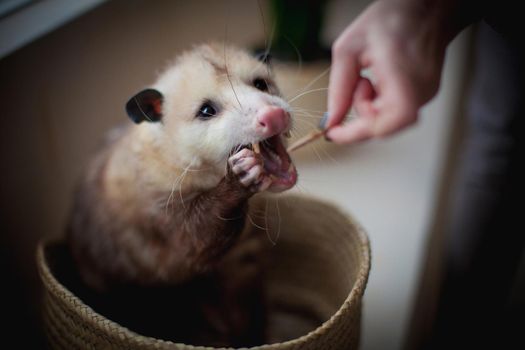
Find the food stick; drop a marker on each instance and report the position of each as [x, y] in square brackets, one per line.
[312, 136]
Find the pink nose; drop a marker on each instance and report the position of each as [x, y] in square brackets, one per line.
[272, 120]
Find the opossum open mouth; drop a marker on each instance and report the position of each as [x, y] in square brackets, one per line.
[278, 164]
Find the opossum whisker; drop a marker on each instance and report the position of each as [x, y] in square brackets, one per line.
[307, 122]
[330, 156]
[305, 112]
[297, 133]
[141, 110]
[193, 170]
[306, 92]
[316, 153]
[267, 43]
[176, 181]
[305, 116]
[298, 53]
[308, 114]
[314, 120]
[307, 126]
[238, 148]
[294, 132]
[297, 129]
[287, 202]
[301, 189]
[317, 114]
[313, 81]
[316, 79]
[298, 108]
[270, 43]
[180, 190]
[260, 212]
[183, 176]
[226, 67]
[233, 89]
[278, 220]
[170, 197]
[266, 223]
[227, 219]
[264, 26]
[254, 224]
[302, 128]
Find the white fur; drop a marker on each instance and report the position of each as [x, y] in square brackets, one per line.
[195, 78]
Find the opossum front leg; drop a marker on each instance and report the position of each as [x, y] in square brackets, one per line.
[217, 217]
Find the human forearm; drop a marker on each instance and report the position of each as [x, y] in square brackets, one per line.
[449, 17]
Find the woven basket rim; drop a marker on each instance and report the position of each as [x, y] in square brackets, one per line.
[59, 290]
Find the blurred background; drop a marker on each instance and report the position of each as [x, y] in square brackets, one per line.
[67, 68]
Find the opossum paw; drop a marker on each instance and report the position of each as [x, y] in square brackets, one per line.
[248, 168]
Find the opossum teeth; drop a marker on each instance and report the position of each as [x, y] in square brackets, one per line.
[276, 158]
[274, 155]
[287, 134]
[256, 148]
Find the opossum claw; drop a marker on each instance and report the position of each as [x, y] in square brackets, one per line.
[248, 167]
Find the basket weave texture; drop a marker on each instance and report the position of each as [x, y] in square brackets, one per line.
[321, 261]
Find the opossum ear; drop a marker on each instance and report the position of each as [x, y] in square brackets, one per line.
[146, 105]
[264, 56]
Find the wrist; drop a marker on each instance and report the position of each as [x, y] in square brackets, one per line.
[446, 18]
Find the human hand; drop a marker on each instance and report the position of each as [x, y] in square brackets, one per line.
[403, 47]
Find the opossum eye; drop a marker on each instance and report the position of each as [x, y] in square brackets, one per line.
[206, 111]
[260, 84]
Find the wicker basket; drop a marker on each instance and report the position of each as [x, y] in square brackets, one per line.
[321, 263]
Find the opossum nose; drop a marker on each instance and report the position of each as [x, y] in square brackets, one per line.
[272, 120]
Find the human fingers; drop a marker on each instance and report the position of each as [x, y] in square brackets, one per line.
[361, 128]
[397, 102]
[344, 75]
[380, 112]
[364, 96]
[356, 130]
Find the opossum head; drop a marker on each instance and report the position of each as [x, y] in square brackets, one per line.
[213, 101]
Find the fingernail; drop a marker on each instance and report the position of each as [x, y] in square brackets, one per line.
[322, 122]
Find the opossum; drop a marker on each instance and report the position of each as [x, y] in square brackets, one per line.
[166, 201]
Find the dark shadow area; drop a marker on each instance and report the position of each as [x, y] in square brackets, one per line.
[180, 313]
